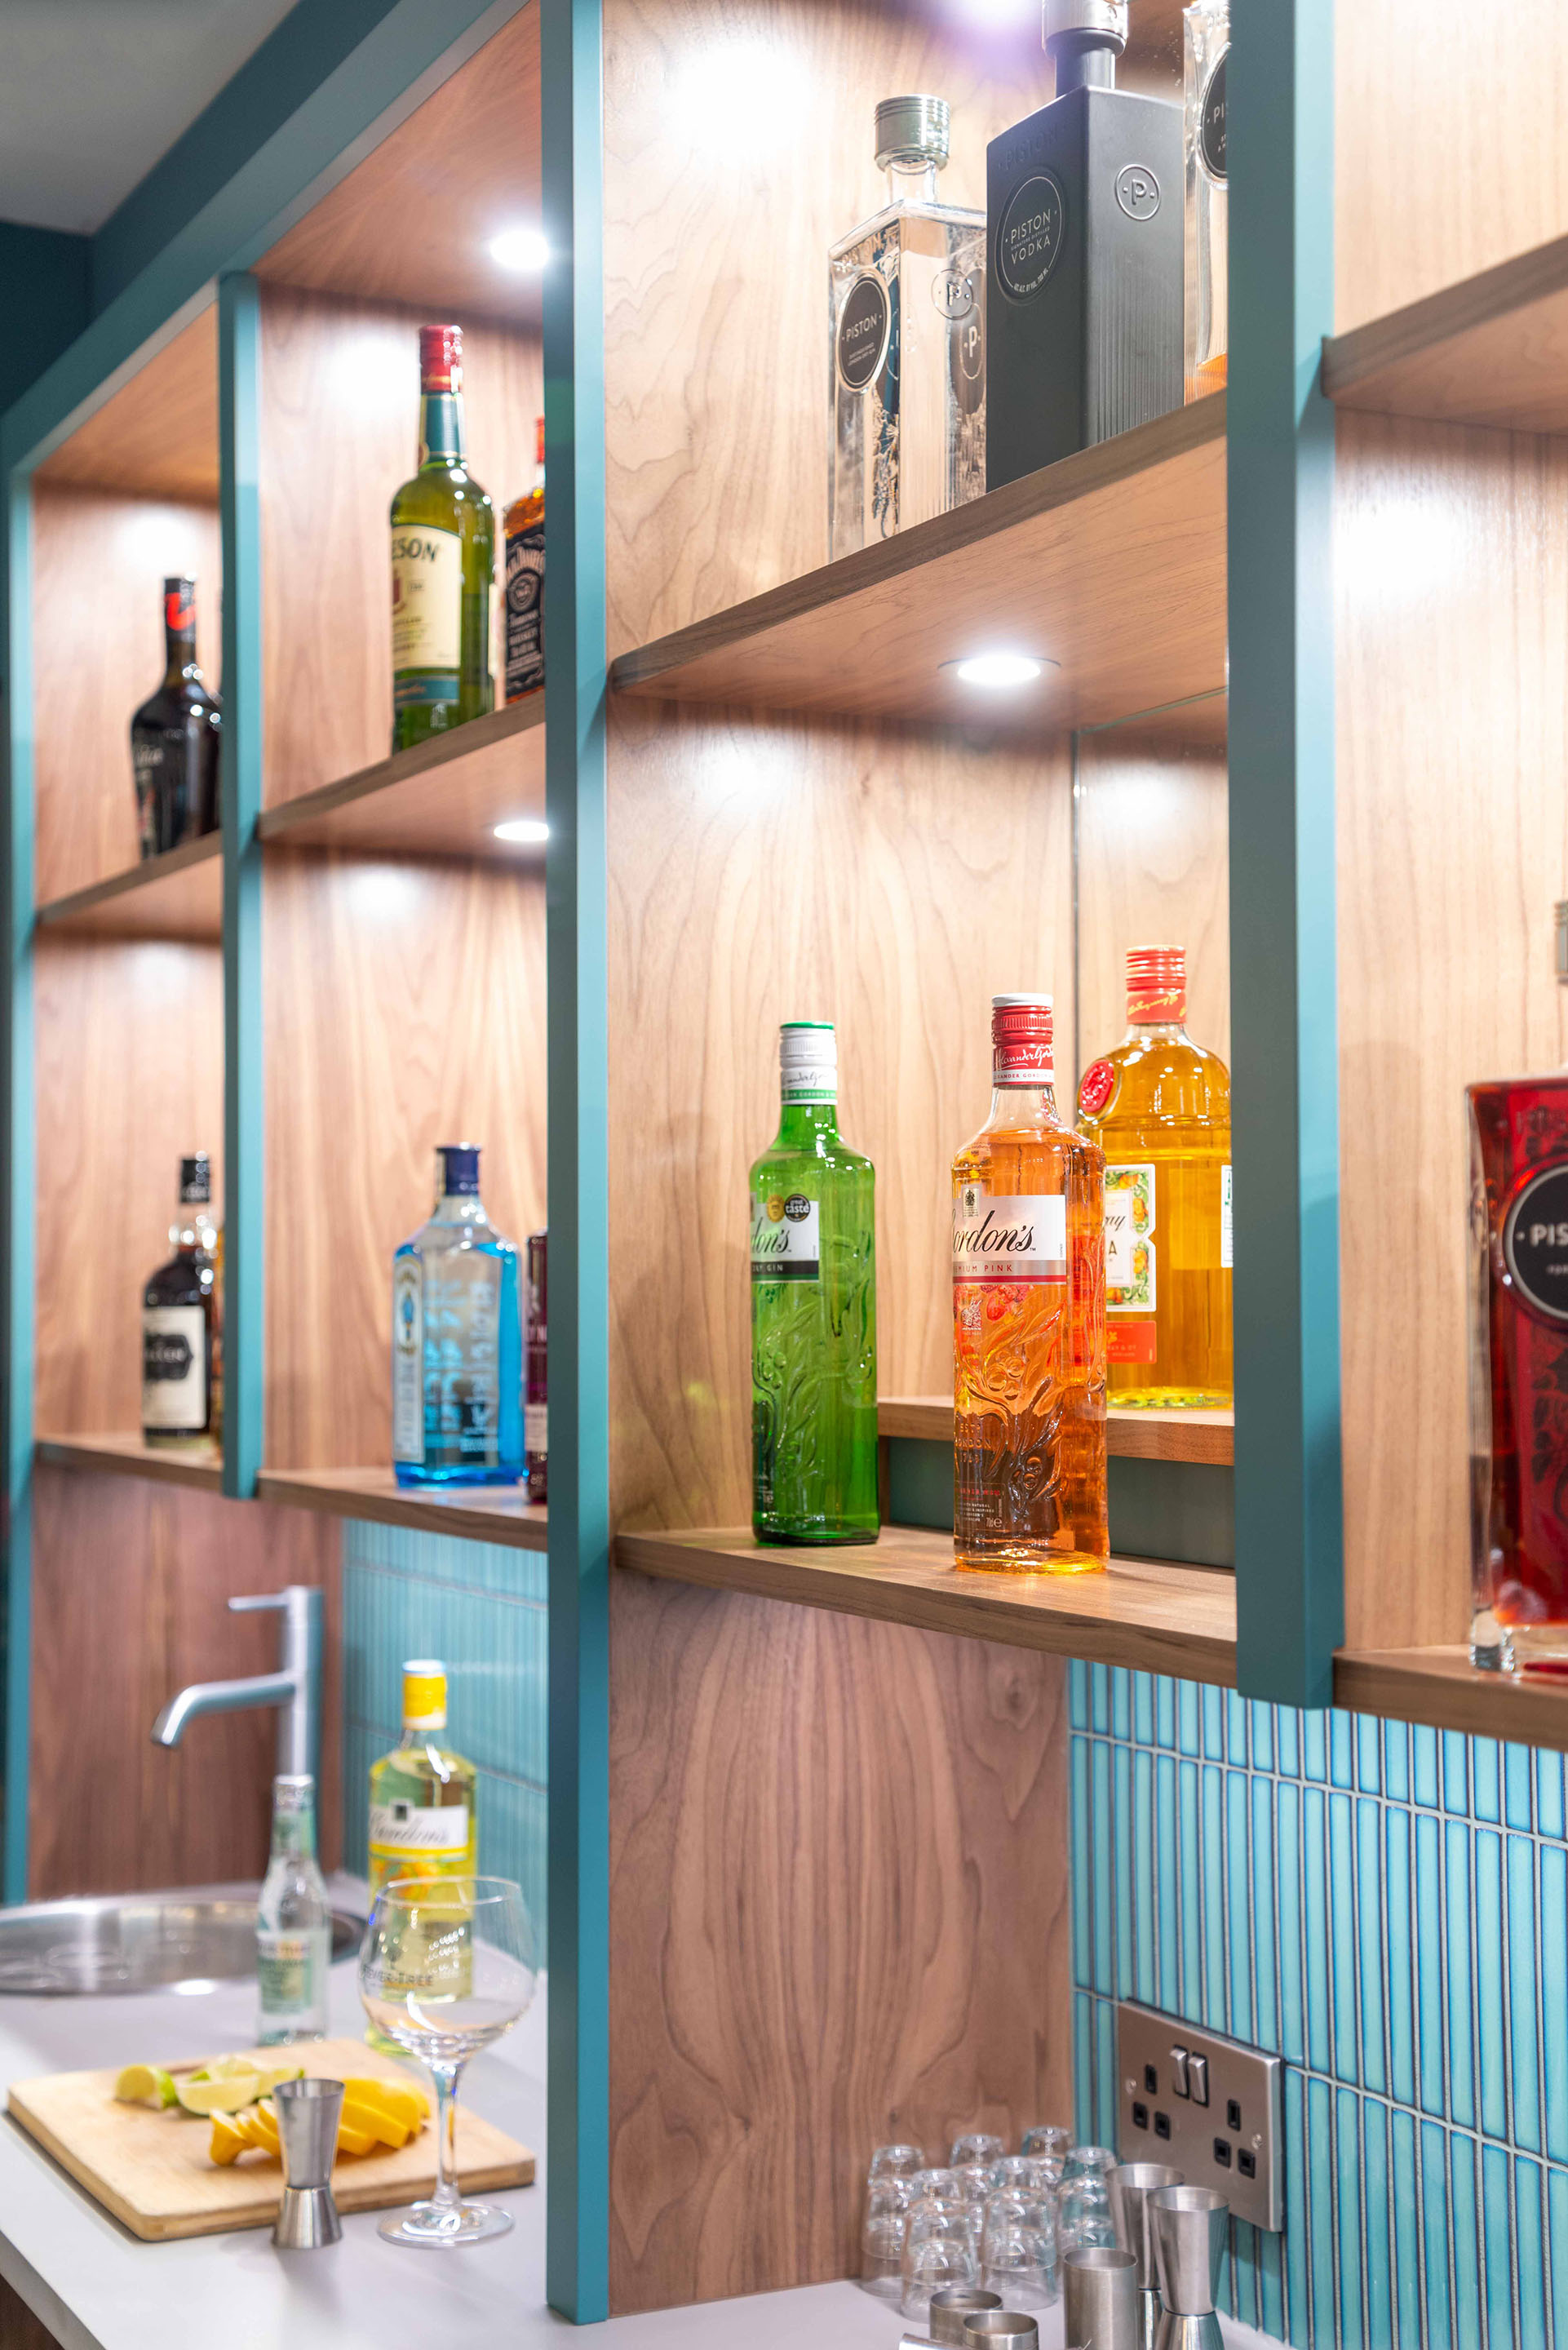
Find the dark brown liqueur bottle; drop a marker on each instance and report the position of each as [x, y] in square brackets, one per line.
[174, 737]
[1084, 255]
[181, 1347]
[536, 1371]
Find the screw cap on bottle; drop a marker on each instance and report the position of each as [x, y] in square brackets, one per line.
[457, 1169]
[1157, 983]
[1106, 18]
[912, 130]
[440, 358]
[1021, 1034]
[196, 1180]
[808, 1061]
[424, 1693]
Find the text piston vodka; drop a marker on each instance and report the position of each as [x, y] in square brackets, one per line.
[457, 1341]
[294, 1922]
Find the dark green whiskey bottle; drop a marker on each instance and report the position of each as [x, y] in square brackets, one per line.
[443, 563]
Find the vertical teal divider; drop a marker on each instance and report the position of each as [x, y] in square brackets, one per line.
[578, 1871]
[18, 1174]
[245, 1236]
[1285, 1097]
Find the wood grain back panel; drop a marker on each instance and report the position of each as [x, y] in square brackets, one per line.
[128, 1045]
[405, 1007]
[157, 436]
[99, 561]
[1452, 564]
[339, 427]
[839, 1882]
[130, 1585]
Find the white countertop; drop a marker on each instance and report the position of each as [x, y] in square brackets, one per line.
[97, 2287]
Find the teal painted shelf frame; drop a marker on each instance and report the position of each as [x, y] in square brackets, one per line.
[297, 117]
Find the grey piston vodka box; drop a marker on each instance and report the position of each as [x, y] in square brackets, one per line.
[1084, 255]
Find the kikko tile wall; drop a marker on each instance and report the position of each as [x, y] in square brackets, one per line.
[482, 1610]
[1387, 1907]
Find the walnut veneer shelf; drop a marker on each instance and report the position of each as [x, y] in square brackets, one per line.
[1493, 349]
[1205, 1436]
[441, 799]
[1441, 1687]
[129, 1456]
[179, 894]
[1111, 564]
[490, 1513]
[1152, 1617]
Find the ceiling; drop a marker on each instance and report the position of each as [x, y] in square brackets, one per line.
[92, 92]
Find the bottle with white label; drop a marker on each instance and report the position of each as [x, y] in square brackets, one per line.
[1159, 1108]
[457, 1340]
[294, 1922]
[1029, 1333]
[424, 1813]
[814, 1312]
[181, 1329]
[443, 563]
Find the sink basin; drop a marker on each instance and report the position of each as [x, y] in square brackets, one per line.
[189, 1940]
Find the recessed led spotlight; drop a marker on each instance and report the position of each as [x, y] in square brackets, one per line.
[520, 249]
[999, 671]
[529, 828]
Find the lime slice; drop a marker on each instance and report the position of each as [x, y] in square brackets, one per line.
[168, 2095]
[224, 2096]
[225, 2068]
[270, 2075]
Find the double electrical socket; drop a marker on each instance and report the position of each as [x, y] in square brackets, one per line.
[1211, 2107]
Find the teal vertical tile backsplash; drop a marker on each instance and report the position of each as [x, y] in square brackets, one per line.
[482, 1610]
[1386, 1908]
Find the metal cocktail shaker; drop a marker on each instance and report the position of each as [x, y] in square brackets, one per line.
[308, 2114]
[1189, 2227]
[1100, 2298]
[1131, 2185]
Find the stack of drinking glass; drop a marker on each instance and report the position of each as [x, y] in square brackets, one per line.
[991, 2218]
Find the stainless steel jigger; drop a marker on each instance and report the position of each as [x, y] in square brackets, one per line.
[1189, 2225]
[1100, 2298]
[308, 2114]
[1131, 2185]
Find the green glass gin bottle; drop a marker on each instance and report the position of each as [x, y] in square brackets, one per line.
[814, 1312]
[443, 563]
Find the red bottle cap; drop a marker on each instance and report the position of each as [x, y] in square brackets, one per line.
[440, 358]
[179, 606]
[1020, 1040]
[539, 452]
[1157, 983]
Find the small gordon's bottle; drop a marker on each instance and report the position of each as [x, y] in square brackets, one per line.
[536, 1373]
[174, 737]
[457, 1340]
[1029, 1331]
[1207, 50]
[182, 1327]
[294, 1922]
[1159, 1108]
[443, 563]
[814, 1312]
[526, 586]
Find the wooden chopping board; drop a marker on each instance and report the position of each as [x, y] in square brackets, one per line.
[152, 2170]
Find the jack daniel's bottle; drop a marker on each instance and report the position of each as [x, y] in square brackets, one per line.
[1085, 256]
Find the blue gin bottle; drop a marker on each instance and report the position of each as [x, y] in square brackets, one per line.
[457, 1341]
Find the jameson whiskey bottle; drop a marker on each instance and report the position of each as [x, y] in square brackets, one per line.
[907, 292]
[1028, 1329]
[294, 1922]
[443, 563]
[526, 586]
[814, 1312]
[174, 737]
[1206, 42]
[1159, 1108]
[182, 1327]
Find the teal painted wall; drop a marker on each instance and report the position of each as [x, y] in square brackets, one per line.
[482, 1610]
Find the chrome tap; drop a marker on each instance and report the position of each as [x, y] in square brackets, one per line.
[294, 1688]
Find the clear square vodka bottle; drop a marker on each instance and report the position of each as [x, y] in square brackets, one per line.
[908, 316]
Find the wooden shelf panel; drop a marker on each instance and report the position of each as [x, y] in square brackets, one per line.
[179, 894]
[1441, 1687]
[494, 1513]
[129, 1456]
[1205, 1437]
[1493, 349]
[1111, 564]
[442, 799]
[157, 435]
[1154, 1618]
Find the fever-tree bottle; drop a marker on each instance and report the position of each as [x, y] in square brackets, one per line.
[814, 1312]
[443, 563]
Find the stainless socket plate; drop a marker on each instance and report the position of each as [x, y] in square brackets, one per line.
[1220, 2121]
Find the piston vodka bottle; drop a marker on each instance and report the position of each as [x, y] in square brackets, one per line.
[814, 1312]
[1206, 30]
[457, 1341]
[906, 313]
[294, 1922]
[1029, 1322]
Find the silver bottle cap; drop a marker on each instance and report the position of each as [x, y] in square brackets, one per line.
[912, 130]
[1106, 16]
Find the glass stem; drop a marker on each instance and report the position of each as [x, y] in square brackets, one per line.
[447, 2197]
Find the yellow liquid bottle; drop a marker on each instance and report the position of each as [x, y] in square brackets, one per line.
[424, 1812]
[1159, 1108]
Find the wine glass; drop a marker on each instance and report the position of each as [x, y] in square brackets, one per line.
[447, 1966]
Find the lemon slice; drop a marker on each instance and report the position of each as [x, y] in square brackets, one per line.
[224, 2096]
[144, 2085]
